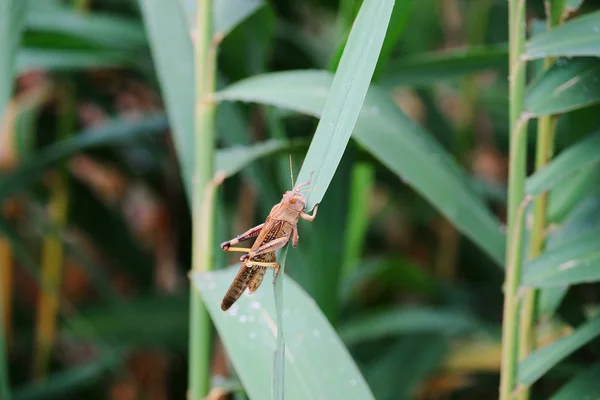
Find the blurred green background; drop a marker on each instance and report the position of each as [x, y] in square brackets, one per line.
[95, 242]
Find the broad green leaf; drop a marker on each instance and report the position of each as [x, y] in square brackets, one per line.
[398, 143]
[575, 262]
[566, 86]
[345, 97]
[406, 320]
[109, 133]
[109, 31]
[231, 160]
[49, 59]
[431, 68]
[12, 14]
[577, 37]
[169, 41]
[583, 386]
[318, 366]
[62, 384]
[579, 157]
[542, 360]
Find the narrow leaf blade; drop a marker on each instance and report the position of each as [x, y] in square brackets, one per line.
[542, 360]
[346, 97]
[566, 86]
[578, 37]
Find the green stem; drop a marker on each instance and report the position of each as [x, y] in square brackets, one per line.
[516, 184]
[204, 189]
[4, 384]
[277, 392]
[544, 149]
[527, 338]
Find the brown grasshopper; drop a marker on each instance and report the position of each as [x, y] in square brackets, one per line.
[281, 225]
[249, 276]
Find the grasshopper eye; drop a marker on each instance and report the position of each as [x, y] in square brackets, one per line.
[293, 201]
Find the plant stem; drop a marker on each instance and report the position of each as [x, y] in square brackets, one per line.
[544, 149]
[53, 250]
[516, 184]
[4, 384]
[203, 200]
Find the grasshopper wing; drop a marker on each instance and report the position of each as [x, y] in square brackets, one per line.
[239, 284]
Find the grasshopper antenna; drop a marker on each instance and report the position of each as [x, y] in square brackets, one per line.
[291, 172]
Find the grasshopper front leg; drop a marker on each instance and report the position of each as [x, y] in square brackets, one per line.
[250, 233]
[308, 217]
[266, 248]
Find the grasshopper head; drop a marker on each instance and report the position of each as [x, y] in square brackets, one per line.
[294, 200]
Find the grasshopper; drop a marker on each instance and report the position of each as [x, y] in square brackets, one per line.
[249, 276]
[281, 225]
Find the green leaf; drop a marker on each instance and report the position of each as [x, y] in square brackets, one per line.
[362, 183]
[109, 133]
[575, 262]
[318, 366]
[430, 68]
[406, 320]
[542, 360]
[567, 85]
[234, 159]
[390, 273]
[582, 219]
[345, 97]
[49, 59]
[158, 321]
[12, 14]
[570, 193]
[579, 157]
[109, 31]
[423, 353]
[62, 384]
[400, 144]
[577, 37]
[169, 41]
[228, 14]
[583, 386]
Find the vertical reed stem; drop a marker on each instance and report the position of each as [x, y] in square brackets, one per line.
[203, 199]
[516, 184]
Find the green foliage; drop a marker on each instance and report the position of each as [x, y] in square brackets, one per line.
[309, 336]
